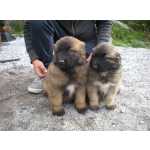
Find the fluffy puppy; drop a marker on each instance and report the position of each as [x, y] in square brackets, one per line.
[104, 76]
[67, 71]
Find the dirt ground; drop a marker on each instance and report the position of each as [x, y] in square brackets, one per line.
[20, 110]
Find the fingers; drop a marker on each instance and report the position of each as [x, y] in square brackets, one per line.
[43, 70]
[39, 68]
[40, 71]
[89, 58]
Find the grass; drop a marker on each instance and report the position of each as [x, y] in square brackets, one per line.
[129, 37]
[17, 28]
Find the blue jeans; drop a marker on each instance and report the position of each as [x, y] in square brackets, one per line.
[45, 34]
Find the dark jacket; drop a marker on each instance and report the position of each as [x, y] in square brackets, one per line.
[85, 30]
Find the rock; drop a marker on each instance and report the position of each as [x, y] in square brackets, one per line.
[122, 110]
[141, 122]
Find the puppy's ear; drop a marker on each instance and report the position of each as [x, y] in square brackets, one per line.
[117, 53]
[94, 51]
[97, 48]
[83, 50]
[118, 57]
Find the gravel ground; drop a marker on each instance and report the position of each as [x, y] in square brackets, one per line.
[20, 110]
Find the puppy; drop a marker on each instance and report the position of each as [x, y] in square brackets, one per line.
[104, 76]
[68, 71]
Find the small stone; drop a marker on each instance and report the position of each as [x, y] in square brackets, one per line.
[123, 110]
[113, 124]
[24, 108]
[141, 121]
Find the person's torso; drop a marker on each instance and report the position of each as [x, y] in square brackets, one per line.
[83, 29]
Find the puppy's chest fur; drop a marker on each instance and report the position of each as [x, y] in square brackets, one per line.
[103, 87]
[103, 82]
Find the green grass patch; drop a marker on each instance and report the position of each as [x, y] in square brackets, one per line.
[129, 37]
[17, 27]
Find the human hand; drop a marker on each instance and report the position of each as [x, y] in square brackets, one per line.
[89, 58]
[39, 68]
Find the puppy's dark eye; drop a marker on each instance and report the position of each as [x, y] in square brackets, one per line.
[103, 55]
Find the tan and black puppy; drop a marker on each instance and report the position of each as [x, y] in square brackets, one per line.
[104, 76]
[67, 72]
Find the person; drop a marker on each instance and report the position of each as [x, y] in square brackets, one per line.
[40, 35]
[2, 24]
[5, 31]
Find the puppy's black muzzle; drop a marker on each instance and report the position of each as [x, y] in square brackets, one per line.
[101, 65]
[68, 61]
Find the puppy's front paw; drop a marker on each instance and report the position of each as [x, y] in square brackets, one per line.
[81, 110]
[94, 107]
[111, 107]
[81, 106]
[59, 113]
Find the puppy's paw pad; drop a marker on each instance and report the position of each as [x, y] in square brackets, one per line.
[59, 113]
